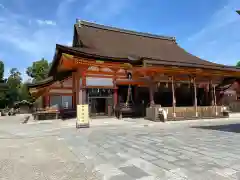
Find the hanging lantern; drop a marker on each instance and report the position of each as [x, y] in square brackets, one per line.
[166, 85]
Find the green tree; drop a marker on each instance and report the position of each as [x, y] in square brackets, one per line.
[39, 70]
[3, 87]
[3, 99]
[24, 93]
[14, 84]
[238, 64]
[1, 71]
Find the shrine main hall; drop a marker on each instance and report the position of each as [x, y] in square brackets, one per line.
[121, 72]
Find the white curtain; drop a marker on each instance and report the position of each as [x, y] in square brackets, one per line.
[55, 101]
[61, 101]
[67, 101]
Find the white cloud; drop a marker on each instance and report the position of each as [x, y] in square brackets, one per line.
[2, 6]
[219, 40]
[69, 43]
[220, 19]
[63, 9]
[105, 9]
[24, 76]
[23, 35]
[46, 22]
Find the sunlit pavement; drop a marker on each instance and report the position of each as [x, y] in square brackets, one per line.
[120, 150]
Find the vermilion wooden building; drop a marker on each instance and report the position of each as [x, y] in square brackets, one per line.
[94, 71]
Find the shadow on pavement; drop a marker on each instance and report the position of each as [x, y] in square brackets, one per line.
[226, 127]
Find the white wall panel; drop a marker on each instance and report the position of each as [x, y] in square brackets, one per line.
[94, 81]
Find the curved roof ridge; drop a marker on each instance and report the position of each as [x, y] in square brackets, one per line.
[120, 30]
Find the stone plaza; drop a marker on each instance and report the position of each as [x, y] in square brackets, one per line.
[125, 149]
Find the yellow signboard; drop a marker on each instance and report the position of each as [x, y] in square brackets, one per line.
[99, 61]
[82, 116]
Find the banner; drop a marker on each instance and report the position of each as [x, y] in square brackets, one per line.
[82, 116]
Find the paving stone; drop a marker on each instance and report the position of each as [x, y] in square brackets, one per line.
[116, 160]
[165, 164]
[225, 172]
[148, 167]
[148, 157]
[134, 171]
[184, 163]
[167, 157]
[95, 153]
[236, 176]
[122, 177]
[169, 152]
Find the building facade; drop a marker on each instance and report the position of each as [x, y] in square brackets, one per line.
[108, 68]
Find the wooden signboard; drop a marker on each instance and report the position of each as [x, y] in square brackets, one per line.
[82, 116]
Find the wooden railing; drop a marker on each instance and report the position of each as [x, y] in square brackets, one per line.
[234, 106]
[185, 112]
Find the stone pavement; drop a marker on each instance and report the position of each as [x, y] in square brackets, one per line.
[120, 152]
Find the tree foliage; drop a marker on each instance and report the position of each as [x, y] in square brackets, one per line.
[24, 93]
[238, 64]
[14, 83]
[1, 71]
[13, 89]
[3, 87]
[39, 70]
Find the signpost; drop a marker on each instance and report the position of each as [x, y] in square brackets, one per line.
[82, 116]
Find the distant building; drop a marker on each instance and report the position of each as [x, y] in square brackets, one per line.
[24, 106]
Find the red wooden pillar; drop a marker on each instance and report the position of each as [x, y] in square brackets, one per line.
[46, 100]
[115, 96]
[211, 96]
[151, 93]
[115, 93]
[135, 93]
[206, 94]
[74, 90]
[77, 88]
[151, 96]
[83, 89]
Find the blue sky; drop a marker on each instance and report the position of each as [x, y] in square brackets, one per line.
[29, 29]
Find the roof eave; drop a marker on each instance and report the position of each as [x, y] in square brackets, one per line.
[181, 64]
[109, 28]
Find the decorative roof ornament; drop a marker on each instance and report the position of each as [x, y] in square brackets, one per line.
[133, 58]
[238, 11]
[78, 22]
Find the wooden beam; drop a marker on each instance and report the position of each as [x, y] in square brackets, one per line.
[178, 70]
[61, 94]
[101, 87]
[57, 87]
[74, 62]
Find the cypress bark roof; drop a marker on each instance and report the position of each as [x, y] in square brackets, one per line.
[119, 43]
[99, 41]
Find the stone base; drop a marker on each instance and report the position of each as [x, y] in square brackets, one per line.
[82, 125]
